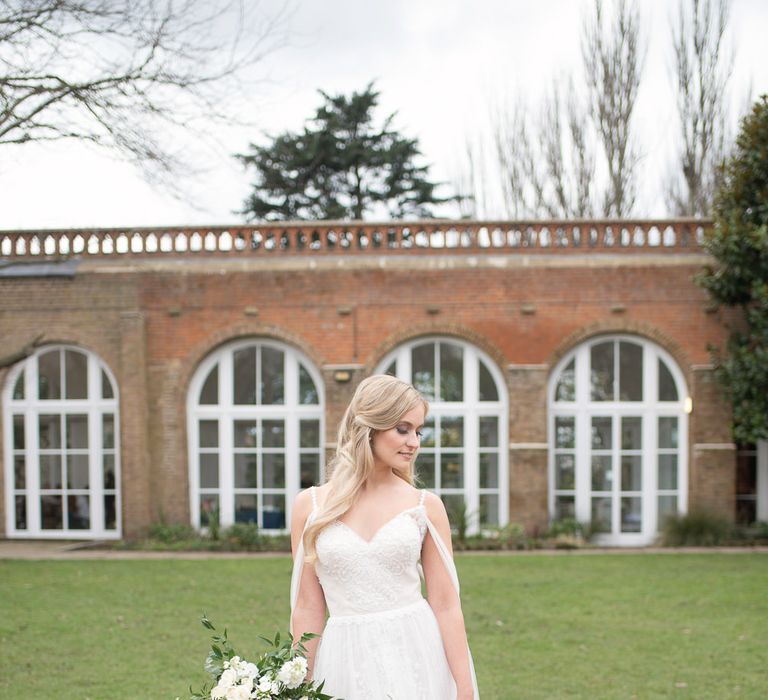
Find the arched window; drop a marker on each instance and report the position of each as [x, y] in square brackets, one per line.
[618, 438]
[463, 455]
[62, 458]
[255, 427]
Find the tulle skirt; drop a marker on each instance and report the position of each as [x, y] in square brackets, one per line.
[391, 655]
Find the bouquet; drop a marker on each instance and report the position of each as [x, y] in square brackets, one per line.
[279, 673]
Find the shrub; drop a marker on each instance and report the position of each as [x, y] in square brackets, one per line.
[168, 534]
[696, 529]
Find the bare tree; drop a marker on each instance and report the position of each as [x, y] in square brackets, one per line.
[613, 60]
[120, 73]
[546, 162]
[471, 182]
[702, 70]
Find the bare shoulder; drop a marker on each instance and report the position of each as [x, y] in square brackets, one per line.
[435, 507]
[302, 507]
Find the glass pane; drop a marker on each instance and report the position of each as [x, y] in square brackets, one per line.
[245, 471]
[209, 508]
[566, 384]
[489, 509]
[307, 389]
[110, 513]
[428, 433]
[423, 369]
[21, 512]
[451, 471]
[601, 371]
[454, 506]
[602, 434]
[49, 434]
[488, 391]
[601, 514]
[667, 471]
[18, 433]
[106, 387]
[746, 473]
[209, 433]
[77, 432]
[309, 465]
[631, 473]
[668, 432]
[78, 512]
[272, 376]
[51, 512]
[209, 394]
[246, 508]
[565, 471]
[565, 432]
[246, 433]
[630, 372]
[50, 471]
[19, 473]
[602, 472]
[631, 518]
[489, 471]
[274, 512]
[451, 431]
[209, 471]
[273, 471]
[489, 431]
[273, 433]
[564, 508]
[76, 372]
[667, 388]
[77, 472]
[451, 372]
[108, 465]
[392, 369]
[426, 470]
[244, 376]
[309, 433]
[18, 395]
[631, 433]
[108, 431]
[667, 508]
[49, 375]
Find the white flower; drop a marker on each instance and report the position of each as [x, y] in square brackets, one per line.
[238, 692]
[293, 672]
[265, 684]
[251, 670]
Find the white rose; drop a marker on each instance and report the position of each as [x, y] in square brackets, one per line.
[228, 678]
[293, 672]
[218, 692]
[238, 692]
[265, 684]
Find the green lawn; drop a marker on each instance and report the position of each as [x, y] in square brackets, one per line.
[572, 626]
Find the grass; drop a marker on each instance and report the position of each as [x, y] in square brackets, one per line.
[687, 626]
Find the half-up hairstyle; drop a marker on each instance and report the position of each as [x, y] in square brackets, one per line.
[379, 404]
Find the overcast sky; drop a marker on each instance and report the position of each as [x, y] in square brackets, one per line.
[440, 64]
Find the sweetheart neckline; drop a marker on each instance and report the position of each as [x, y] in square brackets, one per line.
[376, 534]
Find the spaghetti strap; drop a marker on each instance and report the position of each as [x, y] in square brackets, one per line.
[314, 497]
[422, 497]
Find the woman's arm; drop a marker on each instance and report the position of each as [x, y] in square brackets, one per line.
[444, 600]
[308, 614]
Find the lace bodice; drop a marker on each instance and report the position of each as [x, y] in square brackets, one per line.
[362, 576]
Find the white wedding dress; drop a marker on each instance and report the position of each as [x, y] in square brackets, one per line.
[381, 641]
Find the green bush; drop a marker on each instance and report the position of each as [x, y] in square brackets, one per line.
[696, 529]
[169, 534]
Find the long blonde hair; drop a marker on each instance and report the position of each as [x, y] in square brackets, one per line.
[380, 401]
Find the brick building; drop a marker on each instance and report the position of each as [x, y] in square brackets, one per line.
[173, 372]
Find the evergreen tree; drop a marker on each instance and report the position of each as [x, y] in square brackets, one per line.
[340, 166]
[739, 243]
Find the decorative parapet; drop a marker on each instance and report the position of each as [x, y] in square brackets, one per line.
[310, 238]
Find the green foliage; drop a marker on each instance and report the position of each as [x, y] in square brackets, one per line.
[168, 534]
[739, 243]
[697, 529]
[340, 166]
[240, 537]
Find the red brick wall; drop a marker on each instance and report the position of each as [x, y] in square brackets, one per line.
[153, 321]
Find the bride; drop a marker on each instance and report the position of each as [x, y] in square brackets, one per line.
[357, 543]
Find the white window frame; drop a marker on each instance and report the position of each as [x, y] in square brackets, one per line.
[471, 411]
[31, 407]
[226, 412]
[649, 409]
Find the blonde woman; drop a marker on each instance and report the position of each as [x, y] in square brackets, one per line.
[357, 543]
